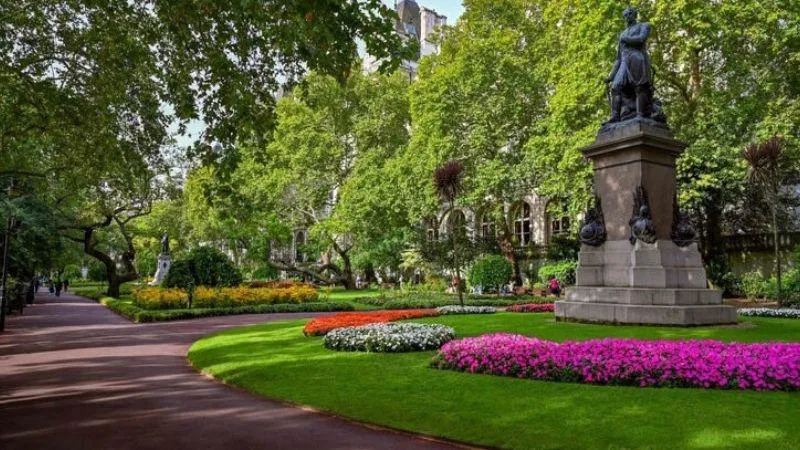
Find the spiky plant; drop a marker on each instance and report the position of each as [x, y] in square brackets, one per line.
[765, 173]
[448, 181]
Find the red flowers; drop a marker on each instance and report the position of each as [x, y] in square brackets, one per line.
[323, 325]
[532, 308]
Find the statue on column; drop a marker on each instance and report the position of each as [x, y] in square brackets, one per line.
[165, 244]
[164, 261]
[631, 80]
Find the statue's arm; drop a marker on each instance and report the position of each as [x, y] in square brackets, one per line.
[641, 36]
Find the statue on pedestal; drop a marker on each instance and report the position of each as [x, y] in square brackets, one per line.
[631, 80]
[164, 261]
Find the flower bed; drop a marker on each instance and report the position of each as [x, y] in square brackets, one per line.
[160, 298]
[532, 308]
[323, 325]
[247, 296]
[458, 309]
[205, 297]
[705, 364]
[787, 313]
[389, 337]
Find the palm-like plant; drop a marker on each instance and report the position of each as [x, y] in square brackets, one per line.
[448, 181]
[766, 173]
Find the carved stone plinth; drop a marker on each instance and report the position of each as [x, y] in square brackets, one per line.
[164, 262]
[644, 283]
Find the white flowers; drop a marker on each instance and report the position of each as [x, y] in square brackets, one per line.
[788, 313]
[457, 309]
[389, 337]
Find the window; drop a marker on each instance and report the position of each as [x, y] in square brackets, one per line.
[432, 229]
[559, 226]
[522, 224]
[558, 220]
[486, 225]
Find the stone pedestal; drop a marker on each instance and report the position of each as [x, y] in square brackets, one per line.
[640, 283]
[164, 262]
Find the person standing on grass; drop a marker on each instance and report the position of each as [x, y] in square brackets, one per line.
[555, 287]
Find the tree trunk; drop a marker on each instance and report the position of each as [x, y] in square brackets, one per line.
[457, 268]
[348, 281]
[777, 251]
[507, 248]
[114, 278]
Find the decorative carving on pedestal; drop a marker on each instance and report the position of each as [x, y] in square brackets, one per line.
[641, 222]
[593, 231]
[683, 233]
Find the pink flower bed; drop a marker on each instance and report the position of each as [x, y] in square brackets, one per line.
[532, 308]
[704, 364]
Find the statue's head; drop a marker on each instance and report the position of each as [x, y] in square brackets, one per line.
[630, 14]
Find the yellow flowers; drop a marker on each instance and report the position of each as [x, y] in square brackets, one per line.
[158, 298]
[206, 297]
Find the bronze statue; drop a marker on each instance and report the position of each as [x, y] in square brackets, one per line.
[165, 243]
[631, 79]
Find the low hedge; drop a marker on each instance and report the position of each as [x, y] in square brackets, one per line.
[139, 315]
[156, 298]
[425, 302]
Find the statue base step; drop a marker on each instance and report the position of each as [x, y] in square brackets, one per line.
[671, 307]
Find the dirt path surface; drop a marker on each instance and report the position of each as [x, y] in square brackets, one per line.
[74, 375]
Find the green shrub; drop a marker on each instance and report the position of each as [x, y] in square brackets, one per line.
[71, 272]
[265, 272]
[179, 275]
[563, 248]
[97, 271]
[490, 271]
[433, 284]
[564, 271]
[203, 266]
[754, 285]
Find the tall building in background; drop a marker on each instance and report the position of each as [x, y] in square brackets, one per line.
[413, 22]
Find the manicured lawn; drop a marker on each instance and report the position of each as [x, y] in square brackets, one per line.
[400, 390]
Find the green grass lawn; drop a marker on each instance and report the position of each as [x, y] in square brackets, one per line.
[401, 391]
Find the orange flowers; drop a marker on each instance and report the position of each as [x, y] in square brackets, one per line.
[323, 325]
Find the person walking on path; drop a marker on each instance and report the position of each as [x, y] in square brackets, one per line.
[555, 287]
[50, 287]
[58, 288]
[66, 284]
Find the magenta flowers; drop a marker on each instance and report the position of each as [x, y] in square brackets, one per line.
[532, 308]
[704, 364]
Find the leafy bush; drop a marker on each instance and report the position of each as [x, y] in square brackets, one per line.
[266, 272]
[433, 284]
[754, 285]
[490, 271]
[392, 337]
[139, 315]
[97, 271]
[564, 271]
[203, 266]
[563, 248]
[71, 272]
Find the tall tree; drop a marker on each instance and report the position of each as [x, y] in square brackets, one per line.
[323, 169]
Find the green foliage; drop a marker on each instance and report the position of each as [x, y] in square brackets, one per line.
[71, 272]
[563, 271]
[563, 248]
[203, 266]
[265, 272]
[490, 271]
[97, 271]
[754, 285]
[139, 315]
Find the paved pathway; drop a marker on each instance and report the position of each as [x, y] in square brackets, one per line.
[74, 375]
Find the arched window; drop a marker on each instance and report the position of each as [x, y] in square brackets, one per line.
[522, 224]
[299, 242]
[486, 225]
[456, 221]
